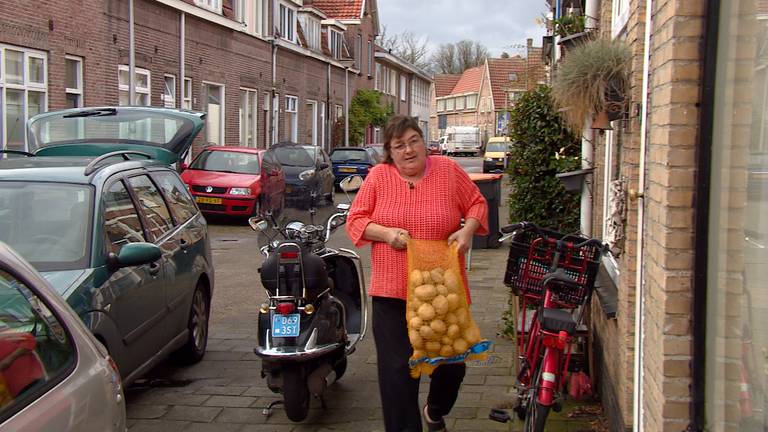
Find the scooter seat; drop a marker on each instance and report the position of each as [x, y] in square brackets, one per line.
[556, 320]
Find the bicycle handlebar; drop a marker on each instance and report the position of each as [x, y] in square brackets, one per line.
[530, 226]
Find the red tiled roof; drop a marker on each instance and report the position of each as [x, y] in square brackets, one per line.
[444, 83]
[470, 81]
[340, 9]
[499, 70]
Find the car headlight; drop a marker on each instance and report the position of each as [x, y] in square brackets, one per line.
[489, 159]
[239, 191]
[306, 175]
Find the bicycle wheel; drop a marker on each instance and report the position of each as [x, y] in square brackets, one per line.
[535, 414]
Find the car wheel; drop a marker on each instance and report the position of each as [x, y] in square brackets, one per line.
[197, 324]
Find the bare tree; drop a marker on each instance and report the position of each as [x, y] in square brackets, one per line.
[386, 41]
[453, 58]
[406, 45]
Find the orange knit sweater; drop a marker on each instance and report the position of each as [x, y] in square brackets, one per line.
[431, 210]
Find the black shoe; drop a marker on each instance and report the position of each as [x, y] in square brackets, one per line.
[434, 426]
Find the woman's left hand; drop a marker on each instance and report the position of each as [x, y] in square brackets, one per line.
[463, 238]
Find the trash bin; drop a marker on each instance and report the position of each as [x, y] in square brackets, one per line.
[490, 187]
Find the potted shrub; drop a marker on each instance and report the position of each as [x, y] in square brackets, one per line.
[592, 81]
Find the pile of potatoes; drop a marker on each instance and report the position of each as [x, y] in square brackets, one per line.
[439, 323]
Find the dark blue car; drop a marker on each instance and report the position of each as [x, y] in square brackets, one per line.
[349, 161]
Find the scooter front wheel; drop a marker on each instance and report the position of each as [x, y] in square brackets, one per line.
[295, 394]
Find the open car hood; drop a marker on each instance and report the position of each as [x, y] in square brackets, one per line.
[163, 133]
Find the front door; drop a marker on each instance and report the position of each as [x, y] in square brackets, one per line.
[213, 98]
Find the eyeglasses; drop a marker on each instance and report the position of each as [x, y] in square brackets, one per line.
[413, 144]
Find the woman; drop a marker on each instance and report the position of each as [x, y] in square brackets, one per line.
[424, 197]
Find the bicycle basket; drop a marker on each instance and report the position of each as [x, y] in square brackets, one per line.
[531, 256]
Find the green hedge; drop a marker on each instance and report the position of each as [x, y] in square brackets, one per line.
[543, 147]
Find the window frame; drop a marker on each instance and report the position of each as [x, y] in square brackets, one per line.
[186, 100]
[251, 95]
[335, 42]
[292, 108]
[222, 114]
[166, 89]
[440, 105]
[106, 189]
[139, 90]
[403, 87]
[619, 16]
[359, 52]
[138, 206]
[312, 31]
[377, 77]
[211, 5]
[25, 87]
[184, 191]
[289, 19]
[80, 80]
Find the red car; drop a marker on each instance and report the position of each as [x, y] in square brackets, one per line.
[236, 181]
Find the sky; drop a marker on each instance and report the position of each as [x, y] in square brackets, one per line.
[497, 24]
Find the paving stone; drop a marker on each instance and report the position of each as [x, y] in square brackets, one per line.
[213, 427]
[222, 390]
[230, 401]
[193, 413]
[136, 411]
[158, 426]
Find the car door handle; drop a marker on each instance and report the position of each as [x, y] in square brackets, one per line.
[154, 268]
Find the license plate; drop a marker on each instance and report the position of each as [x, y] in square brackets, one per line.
[285, 325]
[208, 200]
[348, 170]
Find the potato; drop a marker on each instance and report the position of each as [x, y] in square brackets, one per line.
[451, 318]
[409, 314]
[440, 304]
[463, 317]
[437, 275]
[416, 279]
[438, 270]
[433, 346]
[427, 333]
[425, 292]
[453, 331]
[416, 339]
[472, 334]
[438, 326]
[451, 281]
[460, 346]
[454, 301]
[446, 351]
[415, 303]
[441, 290]
[418, 353]
[426, 312]
[445, 340]
[426, 277]
[415, 323]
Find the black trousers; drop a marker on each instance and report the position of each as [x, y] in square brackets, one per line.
[400, 392]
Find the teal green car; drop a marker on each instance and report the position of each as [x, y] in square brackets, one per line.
[97, 208]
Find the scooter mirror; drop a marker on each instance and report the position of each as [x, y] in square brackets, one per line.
[343, 206]
[351, 183]
[258, 224]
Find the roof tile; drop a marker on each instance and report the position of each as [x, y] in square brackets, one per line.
[470, 81]
[499, 70]
[444, 83]
[340, 9]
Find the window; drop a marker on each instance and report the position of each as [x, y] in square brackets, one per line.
[370, 58]
[156, 213]
[312, 126]
[287, 23]
[460, 103]
[335, 43]
[619, 16]
[311, 27]
[514, 96]
[38, 351]
[213, 105]
[393, 82]
[142, 86]
[275, 117]
[359, 52]
[449, 104]
[377, 78]
[121, 220]
[471, 101]
[322, 124]
[186, 102]
[512, 77]
[169, 92]
[177, 195]
[252, 13]
[403, 83]
[73, 81]
[211, 5]
[248, 106]
[339, 112]
[23, 92]
[292, 116]
[441, 105]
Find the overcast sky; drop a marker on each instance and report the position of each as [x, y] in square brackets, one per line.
[496, 23]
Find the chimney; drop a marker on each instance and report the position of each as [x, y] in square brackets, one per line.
[529, 42]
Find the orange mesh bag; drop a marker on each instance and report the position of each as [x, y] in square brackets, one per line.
[440, 326]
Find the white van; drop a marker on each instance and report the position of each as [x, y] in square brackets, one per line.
[461, 140]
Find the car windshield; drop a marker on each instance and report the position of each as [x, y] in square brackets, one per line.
[298, 156]
[47, 223]
[108, 125]
[498, 146]
[227, 161]
[349, 155]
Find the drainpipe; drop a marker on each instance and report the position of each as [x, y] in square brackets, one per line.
[590, 13]
[346, 106]
[182, 58]
[637, 402]
[131, 57]
[329, 125]
[273, 43]
[587, 149]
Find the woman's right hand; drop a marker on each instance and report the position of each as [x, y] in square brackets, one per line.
[398, 238]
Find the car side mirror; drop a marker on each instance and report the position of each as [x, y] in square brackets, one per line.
[134, 254]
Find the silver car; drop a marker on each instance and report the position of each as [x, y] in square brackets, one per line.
[54, 375]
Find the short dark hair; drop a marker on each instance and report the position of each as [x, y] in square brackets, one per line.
[395, 128]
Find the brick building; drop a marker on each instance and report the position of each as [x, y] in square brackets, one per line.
[678, 189]
[264, 70]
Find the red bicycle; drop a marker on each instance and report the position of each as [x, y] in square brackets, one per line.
[554, 274]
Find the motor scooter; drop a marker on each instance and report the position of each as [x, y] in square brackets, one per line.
[316, 310]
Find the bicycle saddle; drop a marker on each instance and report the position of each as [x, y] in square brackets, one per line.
[555, 320]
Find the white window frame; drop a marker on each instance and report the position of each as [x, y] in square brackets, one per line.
[169, 92]
[403, 84]
[312, 31]
[322, 124]
[377, 78]
[211, 5]
[359, 52]
[275, 126]
[460, 103]
[393, 82]
[440, 105]
[335, 42]
[287, 22]
[313, 107]
[370, 57]
[251, 107]
[79, 89]
[473, 99]
[26, 86]
[339, 111]
[139, 90]
[222, 116]
[619, 16]
[292, 108]
[186, 100]
[450, 104]
[252, 13]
